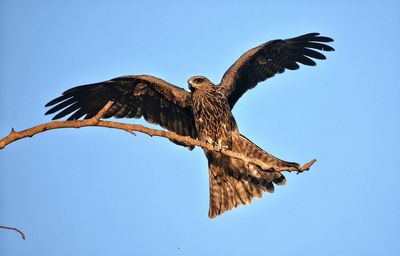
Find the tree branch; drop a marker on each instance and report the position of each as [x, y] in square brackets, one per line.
[131, 128]
[15, 229]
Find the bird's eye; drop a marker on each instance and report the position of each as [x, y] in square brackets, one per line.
[197, 80]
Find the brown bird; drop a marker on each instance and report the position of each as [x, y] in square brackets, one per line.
[204, 113]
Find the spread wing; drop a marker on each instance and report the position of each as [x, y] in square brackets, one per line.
[270, 58]
[134, 96]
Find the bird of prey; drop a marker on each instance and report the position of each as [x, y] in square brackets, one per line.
[204, 113]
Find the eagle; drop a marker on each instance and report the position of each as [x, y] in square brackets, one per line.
[204, 113]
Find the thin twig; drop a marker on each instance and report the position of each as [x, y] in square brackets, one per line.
[15, 229]
[186, 140]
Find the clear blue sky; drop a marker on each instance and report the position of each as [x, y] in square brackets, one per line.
[97, 191]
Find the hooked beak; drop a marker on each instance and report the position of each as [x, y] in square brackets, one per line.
[191, 85]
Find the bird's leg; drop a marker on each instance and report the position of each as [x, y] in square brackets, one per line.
[221, 146]
[210, 141]
[217, 145]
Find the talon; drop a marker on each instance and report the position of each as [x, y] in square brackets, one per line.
[210, 141]
[221, 147]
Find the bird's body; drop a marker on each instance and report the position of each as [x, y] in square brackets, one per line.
[205, 113]
[212, 113]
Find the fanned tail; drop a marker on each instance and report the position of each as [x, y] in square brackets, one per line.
[232, 183]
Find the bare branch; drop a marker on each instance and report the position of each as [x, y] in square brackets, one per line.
[131, 128]
[15, 229]
[13, 136]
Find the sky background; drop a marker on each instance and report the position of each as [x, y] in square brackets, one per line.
[97, 191]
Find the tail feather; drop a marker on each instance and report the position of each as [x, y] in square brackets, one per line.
[232, 183]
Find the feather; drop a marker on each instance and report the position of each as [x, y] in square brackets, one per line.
[305, 60]
[291, 65]
[67, 111]
[322, 39]
[319, 46]
[313, 54]
[60, 106]
[57, 100]
[78, 114]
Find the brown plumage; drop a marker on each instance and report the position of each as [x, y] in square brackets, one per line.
[204, 113]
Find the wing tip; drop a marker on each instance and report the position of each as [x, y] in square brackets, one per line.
[328, 48]
[315, 36]
[48, 112]
[56, 100]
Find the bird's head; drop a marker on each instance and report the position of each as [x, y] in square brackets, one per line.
[196, 82]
